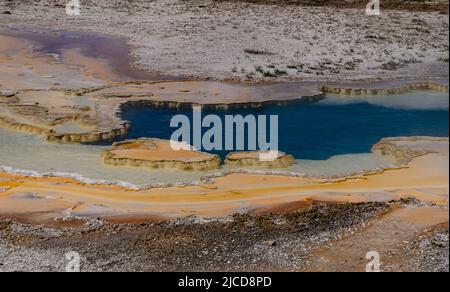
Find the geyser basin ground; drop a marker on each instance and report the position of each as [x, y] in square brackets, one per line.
[63, 86]
[74, 91]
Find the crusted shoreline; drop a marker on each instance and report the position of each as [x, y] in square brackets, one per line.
[401, 156]
[122, 101]
[253, 159]
[155, 153]
[344, 90]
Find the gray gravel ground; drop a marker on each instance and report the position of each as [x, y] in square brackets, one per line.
[237, 243]
[429, 252]
[271, 242]
[243, 41]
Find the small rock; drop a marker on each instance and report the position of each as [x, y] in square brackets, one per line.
[271, 243]
[7, 93]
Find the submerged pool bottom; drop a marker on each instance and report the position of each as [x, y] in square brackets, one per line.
[337, 125]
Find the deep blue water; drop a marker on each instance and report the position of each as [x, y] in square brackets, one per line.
[316, 130]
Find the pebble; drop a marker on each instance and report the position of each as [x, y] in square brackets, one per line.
[7, 93]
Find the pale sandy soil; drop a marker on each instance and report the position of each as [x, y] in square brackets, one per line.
[242, 41]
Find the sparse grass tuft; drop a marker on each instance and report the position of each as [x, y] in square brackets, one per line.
[270, 73]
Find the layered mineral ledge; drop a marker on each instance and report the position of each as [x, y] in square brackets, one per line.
[253, 159]
[155, 153]
[404, 149]
[384, 88]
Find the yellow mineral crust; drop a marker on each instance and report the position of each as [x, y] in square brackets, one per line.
[424, 177]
